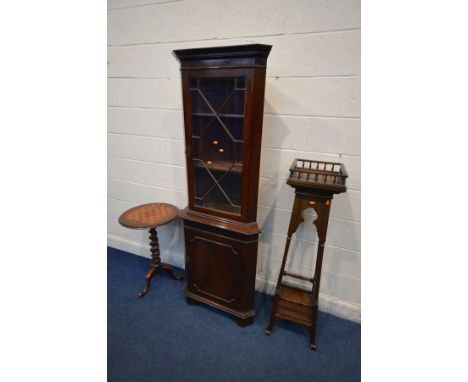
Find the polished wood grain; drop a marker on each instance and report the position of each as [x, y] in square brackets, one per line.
[318, 175]
[150, 216]
[313, 189]
[221, 245]
[220, 267]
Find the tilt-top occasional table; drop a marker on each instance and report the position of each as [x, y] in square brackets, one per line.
[315, 183]
[150, 216]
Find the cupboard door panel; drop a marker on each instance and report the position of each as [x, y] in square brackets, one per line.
[215, 267]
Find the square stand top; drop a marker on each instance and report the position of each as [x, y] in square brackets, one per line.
[318, 175]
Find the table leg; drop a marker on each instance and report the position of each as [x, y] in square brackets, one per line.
[149, 275]
[166, 268]
[156, 265]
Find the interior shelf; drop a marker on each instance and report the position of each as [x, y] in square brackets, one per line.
[220, 166]
[216, 206]
[220, 115]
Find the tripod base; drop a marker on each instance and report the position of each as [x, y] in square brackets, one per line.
[161, 268]
[156, 265]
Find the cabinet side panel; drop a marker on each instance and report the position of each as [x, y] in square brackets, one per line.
[188, 134]
[255, 143]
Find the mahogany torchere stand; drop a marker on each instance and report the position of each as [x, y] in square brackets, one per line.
[151, 216]
[315, 183]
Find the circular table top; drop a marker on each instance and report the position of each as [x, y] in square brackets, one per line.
[149, 215]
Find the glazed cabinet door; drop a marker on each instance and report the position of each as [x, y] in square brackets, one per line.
[215, 106]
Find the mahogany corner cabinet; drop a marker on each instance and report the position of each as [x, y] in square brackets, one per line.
[223, 94]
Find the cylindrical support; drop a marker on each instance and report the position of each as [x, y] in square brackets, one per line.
[154, 243]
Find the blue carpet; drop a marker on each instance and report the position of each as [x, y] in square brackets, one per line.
[161, 338]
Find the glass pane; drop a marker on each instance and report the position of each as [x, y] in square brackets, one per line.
[203, 181]
[196, 148]
[235, 104]
[200, 123]
[234, 125]
[230, 183]
[238, 153]
[210, 189]
[199, 105]
[217, 145]
[217, 139]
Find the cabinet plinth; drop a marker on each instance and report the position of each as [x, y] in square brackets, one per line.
[223, 96]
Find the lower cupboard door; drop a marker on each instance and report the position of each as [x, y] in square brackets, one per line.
[215, 268]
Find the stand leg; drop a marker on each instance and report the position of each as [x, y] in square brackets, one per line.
[296, 219]
[316, 290]
[313, 329]
[269, 328]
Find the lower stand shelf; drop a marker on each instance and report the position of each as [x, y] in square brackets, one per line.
[294, 304]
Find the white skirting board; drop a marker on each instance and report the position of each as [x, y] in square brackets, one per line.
[327, 304]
